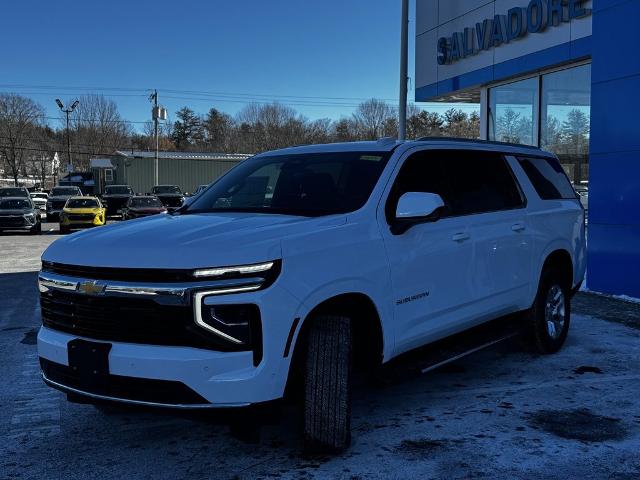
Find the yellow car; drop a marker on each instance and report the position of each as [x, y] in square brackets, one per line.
[80, 212]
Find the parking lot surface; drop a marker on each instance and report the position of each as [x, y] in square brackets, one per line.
[501, 413]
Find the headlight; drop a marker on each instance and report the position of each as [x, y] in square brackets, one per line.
[29, 216]
[241, 270]
[238, 324]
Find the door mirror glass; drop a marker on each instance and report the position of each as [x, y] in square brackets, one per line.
[414, 208]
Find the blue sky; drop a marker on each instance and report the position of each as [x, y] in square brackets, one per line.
[339, 51]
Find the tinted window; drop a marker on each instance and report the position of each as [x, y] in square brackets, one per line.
[145, 202]
[548, 178]
[300, 184]
[64, 191]
[81, 203]
[13, 192]
[421, 172]
[117, 190]
[15, 204]
[480, 182]
[166, 189]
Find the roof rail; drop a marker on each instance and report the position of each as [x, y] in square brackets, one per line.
[386, 140]
[473, 140]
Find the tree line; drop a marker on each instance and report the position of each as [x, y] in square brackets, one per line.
[28, 141]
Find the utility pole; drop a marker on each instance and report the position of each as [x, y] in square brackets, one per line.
[68, 111]
[404, 77]
[155, 114]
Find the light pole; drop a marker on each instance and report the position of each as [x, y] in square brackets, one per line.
[404, 77]
[68, 111]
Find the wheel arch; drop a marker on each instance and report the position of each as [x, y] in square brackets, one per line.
[367, 330]
[560, 259]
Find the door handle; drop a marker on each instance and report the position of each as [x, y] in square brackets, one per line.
[518, 227]
[461, 237]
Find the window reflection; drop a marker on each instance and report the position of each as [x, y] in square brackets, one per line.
[566, 108]
[513, 112]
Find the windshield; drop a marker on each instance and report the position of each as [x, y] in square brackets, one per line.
[81, 203]
[13, 192]
[14, 204]
[118, 190]
[62, 191]
[166, 189]
[303, 184]
[145, 202]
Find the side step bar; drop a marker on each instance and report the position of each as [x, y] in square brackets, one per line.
[436, 354]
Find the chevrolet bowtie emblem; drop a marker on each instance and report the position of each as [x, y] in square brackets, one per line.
[91, 288]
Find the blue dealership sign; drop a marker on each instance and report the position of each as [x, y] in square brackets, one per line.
[518, 22]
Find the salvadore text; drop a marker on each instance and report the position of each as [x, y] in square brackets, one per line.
[518, 22]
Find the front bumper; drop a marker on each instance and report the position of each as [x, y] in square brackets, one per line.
[17, 223]
[73, 223]
[222, 378]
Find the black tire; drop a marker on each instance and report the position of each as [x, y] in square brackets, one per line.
[540, 335]
[64, 229]
[36, 230]
[327, 397]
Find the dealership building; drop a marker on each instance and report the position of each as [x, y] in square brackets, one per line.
[563, 75]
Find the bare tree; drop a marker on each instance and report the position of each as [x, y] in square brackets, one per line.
[371, 117]
[97, 128]
[19, 119]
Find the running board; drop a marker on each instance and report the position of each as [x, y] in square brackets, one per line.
[468, 352]
[436, 354]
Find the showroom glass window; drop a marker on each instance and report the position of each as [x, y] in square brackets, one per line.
[566, 108]
[513, 112]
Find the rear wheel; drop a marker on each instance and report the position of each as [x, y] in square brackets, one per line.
[550, 315]
[327, 402]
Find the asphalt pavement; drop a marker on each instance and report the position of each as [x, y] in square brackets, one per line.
[502, 413]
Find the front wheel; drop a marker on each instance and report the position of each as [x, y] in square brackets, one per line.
[327, 402]
[64, 229]
[550, 315]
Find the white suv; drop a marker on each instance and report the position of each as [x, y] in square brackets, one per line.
[301, 262]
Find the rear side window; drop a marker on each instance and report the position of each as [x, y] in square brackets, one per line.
[480, 182]
[547, 177]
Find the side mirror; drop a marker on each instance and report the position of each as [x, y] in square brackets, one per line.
[414, 208]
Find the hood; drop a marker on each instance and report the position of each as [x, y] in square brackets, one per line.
[147, 209]
[184, 241]
[160, 195]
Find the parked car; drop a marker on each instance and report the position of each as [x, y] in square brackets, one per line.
[170, 195]
[58, 197]
[19, 213]
[583, 191]
[15, 192]
[82, 212]
[299, 263]
[115, 197]
[142, 206]
[39, 199]
[201, 188]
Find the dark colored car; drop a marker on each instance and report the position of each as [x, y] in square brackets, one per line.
[19, 213]
[170, 195]
[142, 206]
[58, 197]
[115, 197]
[14, 192]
